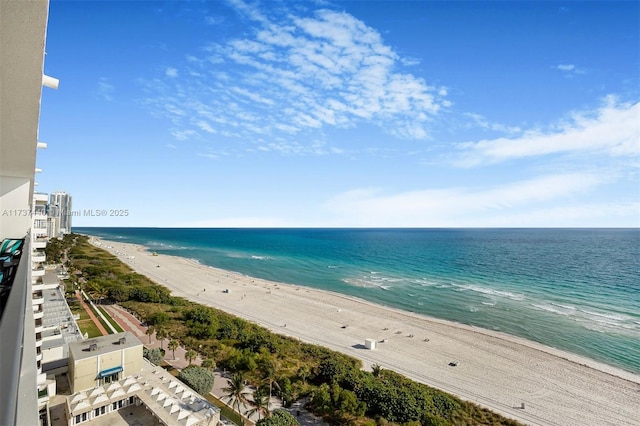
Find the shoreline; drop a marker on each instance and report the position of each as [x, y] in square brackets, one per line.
[496, 370]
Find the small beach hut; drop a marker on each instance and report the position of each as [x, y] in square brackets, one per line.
[370, 343]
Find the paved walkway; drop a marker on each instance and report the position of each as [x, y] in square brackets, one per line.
[91, 314]
[130, 323]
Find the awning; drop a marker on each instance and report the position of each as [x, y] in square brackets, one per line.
[109, 371]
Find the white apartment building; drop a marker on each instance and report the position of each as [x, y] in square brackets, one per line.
[60, 205]
[23, 27]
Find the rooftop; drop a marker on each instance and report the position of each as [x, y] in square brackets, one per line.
[104, 345]
[170, 400]
[58, 320]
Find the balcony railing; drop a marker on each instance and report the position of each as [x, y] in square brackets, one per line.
[18, 372]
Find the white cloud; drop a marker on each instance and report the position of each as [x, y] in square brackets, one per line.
[480, 121]
[612, 130]
[182, 135]
[297, 74]
[463, 206]
[236, 222]
[566, 67]
[584, 214]
[569, 70]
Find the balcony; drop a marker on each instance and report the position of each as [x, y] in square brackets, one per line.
[40, 222]
[39, 244]
[37, 298]
[38, 313]
[38, 271]
[37, 284]
[38, 256]
[39, 325]
[39, 196]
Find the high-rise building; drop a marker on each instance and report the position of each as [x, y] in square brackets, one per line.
[60, 202]
[22, 219]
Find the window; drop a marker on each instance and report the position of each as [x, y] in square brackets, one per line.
[96, 412]
[120, 403]
[110, 378]
[103, 409]
[115, 405]
[84, 417]
[78, 419]
[130, 400]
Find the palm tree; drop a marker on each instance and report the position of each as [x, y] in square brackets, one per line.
[173, 345]
[150, 330]
[99, 292]
[209, 364]
[190, 355]
[260, 403]
[235, 393]
[161, 334]
[376, 369]
[269, 376]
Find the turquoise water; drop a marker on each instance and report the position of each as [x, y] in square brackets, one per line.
[576, 290]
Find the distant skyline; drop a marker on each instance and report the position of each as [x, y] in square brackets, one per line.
[344, 114]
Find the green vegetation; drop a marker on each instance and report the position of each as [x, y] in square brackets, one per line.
[278, 418]
[104, 324]
[198, 378]
[111, 320]
[85, 323]
[225, 410]
[337, 387]
[155, 356]
[235, 392]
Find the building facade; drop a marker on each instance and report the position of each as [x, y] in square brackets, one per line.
[22, 43]
[102, 360]
[60, 204]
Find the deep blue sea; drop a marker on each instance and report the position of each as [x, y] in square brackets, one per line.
[573, 289]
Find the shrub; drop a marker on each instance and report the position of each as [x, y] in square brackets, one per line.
[198, 378]
[158, 318]
[155, 356]
[279, 417]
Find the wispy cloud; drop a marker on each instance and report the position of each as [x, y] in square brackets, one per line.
[236, 222]
[454, 206]
[611, 130]
[105, 89]
[294, 75]
[566, 67]
[481, 121]
[569, 70]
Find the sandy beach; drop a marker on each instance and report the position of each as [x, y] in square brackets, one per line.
[495, 370]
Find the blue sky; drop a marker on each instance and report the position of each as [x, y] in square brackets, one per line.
[344, 114]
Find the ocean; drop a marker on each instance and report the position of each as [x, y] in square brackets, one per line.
[573, 289]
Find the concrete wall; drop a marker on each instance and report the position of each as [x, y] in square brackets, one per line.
[84, 373]
[15, 207]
